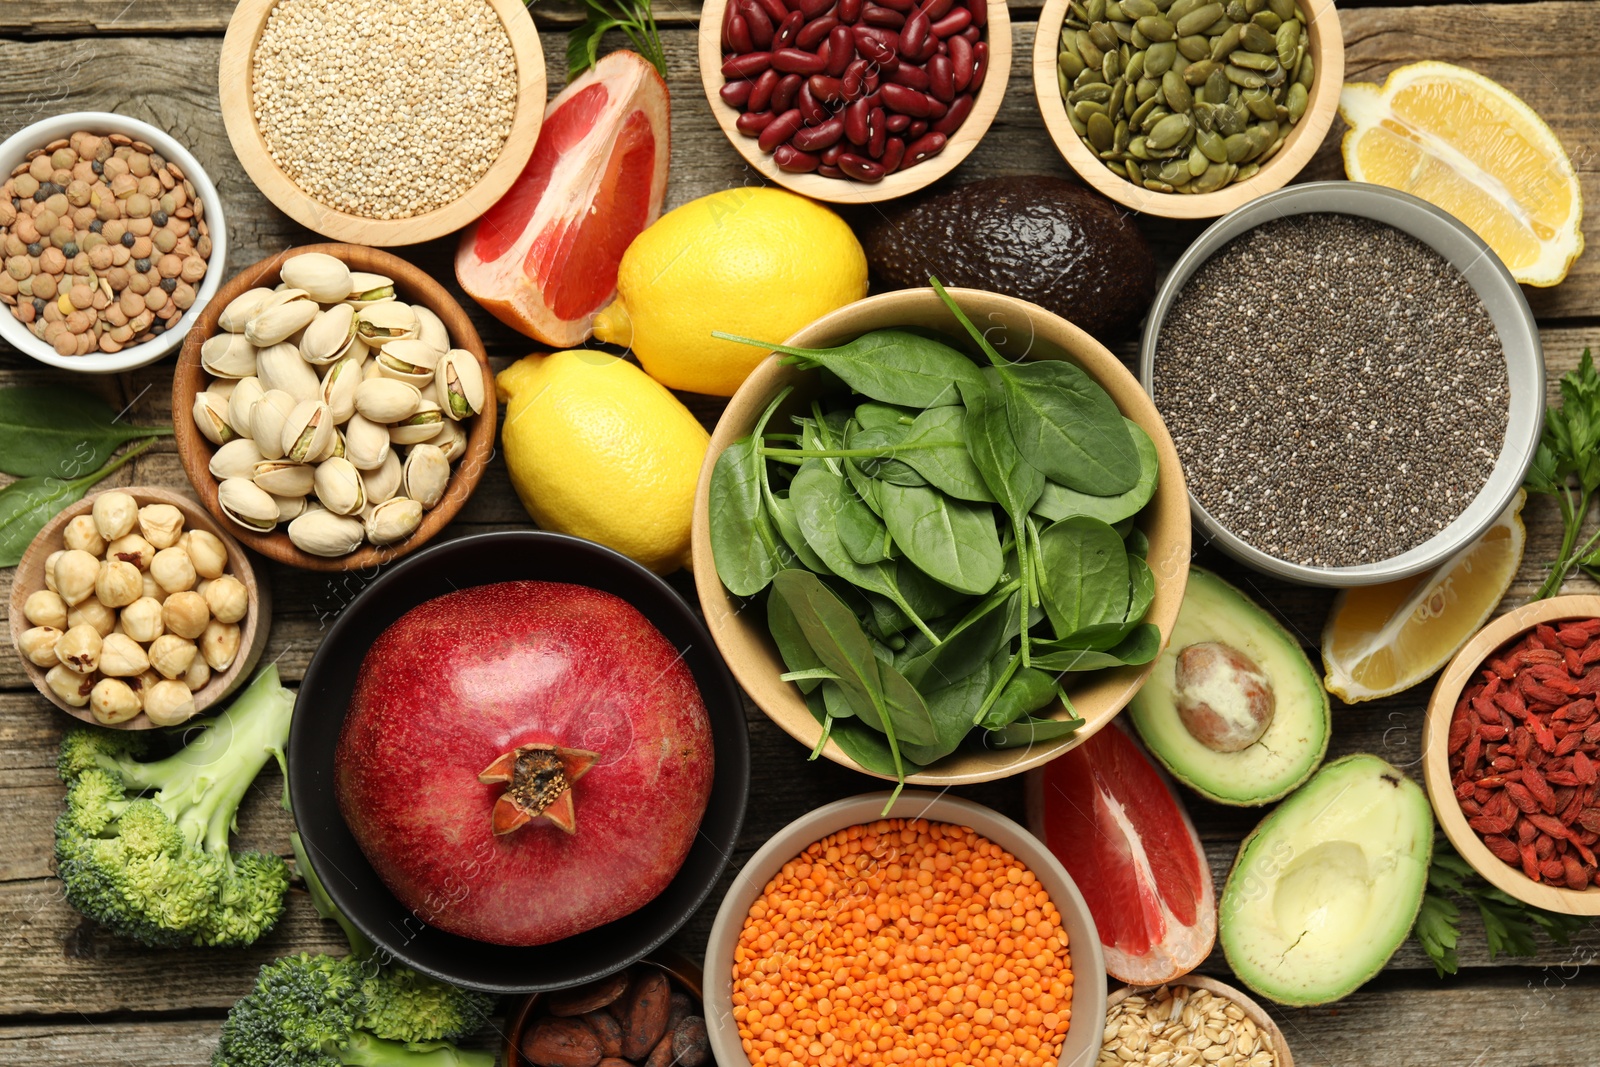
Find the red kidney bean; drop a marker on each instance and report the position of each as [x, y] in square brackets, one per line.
[830, 155]
[886, 17]
[739, 36]
[841, 50]
[914, 34]
[785, 34]
[761, 92]
[816, 138]
[746, 66]
[813, 8]
[876, 132]
[862, 170]
[936, 108]
[894, 150]
[855, 78]
[980, 66]
[776, 10]
[953, 23]
[753, 122]
[897, 123]
[980, 12]
[955, 116]
[793, 161]
[849, 10]
[823, 51]
[736, 93]
[794, 61]
[783, 96]
[826, 89]
[830, 172]
[780, 129]
[917, 128]
[727, 20]
[941, 79]
[923, 148]
[972, 35]
[907, 101]
[889, 39]
[806, 102]
[759, 23]
[937, 9]
[930, 48]
[960, 63]
[872, 80]
[911, 77]
[855, 122]
[814, 33]
[902, 6]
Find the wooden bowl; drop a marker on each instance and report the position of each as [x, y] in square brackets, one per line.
[1326, 49]
[235, 76]
[843, 190]
[411, 284]
[1436, 755]
[676, 966]
[1019, 329]
[29, 578]
[1253, 1011]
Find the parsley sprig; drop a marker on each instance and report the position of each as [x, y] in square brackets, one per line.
[1567, 467]
[1509, 925]
[633, 17]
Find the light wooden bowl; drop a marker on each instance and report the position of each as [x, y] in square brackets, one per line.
[1022, 330]
[1326, 49]
[235, 77]
[997, 33]
[411, 284]
[1253, 1011]
[29, 578]
[1436, 756]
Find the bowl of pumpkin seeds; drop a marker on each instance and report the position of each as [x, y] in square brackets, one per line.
[1188, 108]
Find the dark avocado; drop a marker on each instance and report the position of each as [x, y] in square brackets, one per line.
[1061, 246]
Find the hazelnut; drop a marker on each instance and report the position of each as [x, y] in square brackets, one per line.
[132, 548]
[122, 657]
[78, 650]
[112, 701]
[208, 553]
[81, 532]
[161, 524]
[198, 675]
[93, 613]
[141, 620]
[227, 598]
[185, 614]
[114, 514]
[75, 572]
[118, 584]
[50, 569]
[152, 588]
[173, 570]
[70, 688]
[38, 645]
[169, 703]
[219, 644]
[172, 656]
[44, 608]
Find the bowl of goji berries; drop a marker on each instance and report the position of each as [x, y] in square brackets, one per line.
[1512, 753]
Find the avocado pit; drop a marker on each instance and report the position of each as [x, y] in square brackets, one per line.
[1224, 699]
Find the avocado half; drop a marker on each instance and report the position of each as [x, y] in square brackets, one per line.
[1296, 738]
[1328, 885]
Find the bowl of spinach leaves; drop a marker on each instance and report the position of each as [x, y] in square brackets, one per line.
[939, 553]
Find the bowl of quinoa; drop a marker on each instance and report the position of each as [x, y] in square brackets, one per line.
[380, 122]
[1352, 379]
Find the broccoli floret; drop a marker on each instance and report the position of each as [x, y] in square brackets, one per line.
[305, 1011]
[142, 848]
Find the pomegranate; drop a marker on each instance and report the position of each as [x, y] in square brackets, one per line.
[524, 761]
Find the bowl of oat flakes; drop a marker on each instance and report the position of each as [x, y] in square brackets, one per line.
[1191, 1022]
[379, 122]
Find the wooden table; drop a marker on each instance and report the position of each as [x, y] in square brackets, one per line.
[71, 994]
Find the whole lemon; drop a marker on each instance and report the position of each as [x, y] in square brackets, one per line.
[599, 450]
[759, 263]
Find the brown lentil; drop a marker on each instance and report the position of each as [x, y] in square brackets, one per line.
[381, 108]
[1336, 390]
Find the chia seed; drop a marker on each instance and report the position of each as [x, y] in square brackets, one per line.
[1336, 390]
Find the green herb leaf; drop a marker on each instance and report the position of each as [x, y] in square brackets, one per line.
[743, 542]
[1069, 427]
[891, 366]
[55, 431]
[1083, 574]
[1058, 502]
[1027, 691]
[951, 710]
[633, 17]
[27, 504]
[952, 541]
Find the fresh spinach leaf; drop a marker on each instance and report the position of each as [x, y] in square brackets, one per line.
[1028, 690]
[1069, 427]
[57, 432]
[1030, 731]
[1141, 589]
[744, 545]
[875, 416]
[780, 511]
[860, 742]
[935, 446]
[951, 709]
[951, 541]
[966, 647]
[791, 641]
[1083, 574]
[891, 366]
[1141, 646]
[1058, 502]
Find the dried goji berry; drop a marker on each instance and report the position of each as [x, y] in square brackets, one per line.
[1544, 848]
[1521, 797]
[1526, 831]
[1530, 862]
[1549, 824]
[1471, 807]
[1572, 636]
[1552, 869]
[1546, 739]
[1566, 746]
[1492, 731]
[1535, 784]
[1576, 876]
[1469, 758]
[1561, 778]
[1460, 731]
[1502, 847]
[1545, 636]
[1503, 764]
[1521, 743]
[1575, 711]
[1583, 769]
[1591, 734]
[1590, 652]
[1489, 824]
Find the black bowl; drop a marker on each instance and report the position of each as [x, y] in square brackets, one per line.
[324, 698]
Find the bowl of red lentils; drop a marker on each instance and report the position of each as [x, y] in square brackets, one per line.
[113, 240]
[931, 932]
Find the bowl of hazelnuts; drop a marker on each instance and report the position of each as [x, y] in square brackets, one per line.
[134, 609]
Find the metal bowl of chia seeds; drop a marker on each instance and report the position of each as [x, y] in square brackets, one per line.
[1366, 414]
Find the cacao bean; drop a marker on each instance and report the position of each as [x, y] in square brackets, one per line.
[690, 1044]
[642, 1011]
[606, 1030]
[587, 997]
[561, 1043]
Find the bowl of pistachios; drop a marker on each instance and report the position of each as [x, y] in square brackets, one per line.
[333, 407]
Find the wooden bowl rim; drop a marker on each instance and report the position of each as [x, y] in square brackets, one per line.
[1169, 553]
[252, 632]
[675, 965]
[1252, 1010]
[1327, 49]
[1436, 757]
[195, 451]
[846, 191]
[238, 116]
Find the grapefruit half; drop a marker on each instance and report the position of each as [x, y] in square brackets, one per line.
[544, 259]
[1112, 819]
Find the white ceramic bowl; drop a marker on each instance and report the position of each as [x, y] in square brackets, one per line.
[15, 149]
[1083, 940]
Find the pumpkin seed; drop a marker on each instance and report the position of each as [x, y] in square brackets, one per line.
[1199, 19]
[1308, 68]
[1254, 61]
[1102, 134]
[1176, 91]
[1116, 13]
[1156, 28]
[1182, 7]
[1158, 186]
[1142, 112]
[1284, 9]
[1111, 66]
[1117, 168]
[1253, 6]
[1245, 79]
[1256, 39]
[1089, 52]
[1139, 63]
[1069, 65]
[1260, 104]
[1236, 11]
[1216, 176]
[1103, 37]
[1084, 108]
[1224, 45]
[1140, 9]
[1061, 81]
[1077, 11]
[1195, 47]
[1287, 42]
[1246, 172]
[1267, 21]
[1095, 10]
[1217, 87]
[1099, 92]
[1231, 119]
[1170, 131]
[1212, 145]
[1127, 34]
[1296, 100]
[1136, 148]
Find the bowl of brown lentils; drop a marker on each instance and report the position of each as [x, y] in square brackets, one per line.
[113, 241]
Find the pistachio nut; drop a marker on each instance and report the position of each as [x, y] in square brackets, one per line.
[141, 620]
[171, 655]
[122, 657]
[408, 360]
[38, 645]
[81, 532]
[115, 512]
[322, 533]
[459, 379]
[308, 434]
[118, 584]
[329, 336]
[377, 484]
[247, 504]
[223, 388]
[112, 701]
[283, 478]
[289, 507]
[228, 355]
[75, 572]
[173, 570]
[168, 703]
[430, 392]
[93, 613]
[420, 426]
[69, 687]
[79, 649]
[391, 320]
[426, 474]
[206, 549]
[246, 394]
[45, 608]
[339, 389]
[242, 308]
[452, 441]
[132, 548]
[368, 289]
[161, 524]
[385, 400]
[227, 598]
[268, 419]
[211, 418]
[338, 443]
[324, 278]
[198, 674]
[185, 614]
[280, 367]
[287, 312]
[393, 520]
[236, 459]
[369, 368]
[338, 486]
[431, 328]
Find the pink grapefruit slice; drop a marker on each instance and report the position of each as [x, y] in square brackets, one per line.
[1112, 819]
[544, 259]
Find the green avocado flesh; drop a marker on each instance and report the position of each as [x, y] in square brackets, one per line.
[1295, 740]
[1327, 886]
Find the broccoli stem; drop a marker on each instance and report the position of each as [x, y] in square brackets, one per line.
[360, 946]
[364, 1050]
[201, 787]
